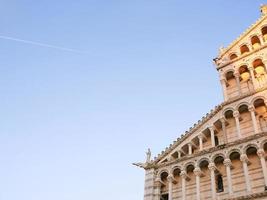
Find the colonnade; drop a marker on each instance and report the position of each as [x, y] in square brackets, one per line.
[237, 75]
[212, 169]
[201, 137]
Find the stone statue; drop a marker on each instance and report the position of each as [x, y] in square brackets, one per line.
[221, 50]
[148, 155]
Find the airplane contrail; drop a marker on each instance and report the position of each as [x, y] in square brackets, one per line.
[42, 44]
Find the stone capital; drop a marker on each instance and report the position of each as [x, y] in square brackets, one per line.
[200, 137]
[236, 114]
[227, 162]
[251, 108]
[211, 128]
[183, 174]
[170, 178]
[197, 171]
[261, 153]
[250, 68]
[223, 120]
[212, 167]
[244, 158]
[236, 74]
[223, 80]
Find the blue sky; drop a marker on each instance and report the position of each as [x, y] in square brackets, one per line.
[72, 123]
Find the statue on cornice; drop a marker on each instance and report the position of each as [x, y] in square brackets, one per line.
[148, 156]
[221, 50]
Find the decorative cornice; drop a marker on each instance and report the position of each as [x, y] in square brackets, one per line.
[210, 150]
[242, 57]
[202, 122]
[249, 196]
[244, 34]
[189, 132]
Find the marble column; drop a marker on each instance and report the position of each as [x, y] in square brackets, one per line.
[223, 83]
[212, 136]
[223, 121]
[170, 181]
[236, 116]
[183, 175]
[200, 138]
[251, 72]
[261, 40]
[261, 154]
[237, 79]
[253, 118]
[212, 169]
[197, 173]
[157, 189]
[179, 154]
[189, 148]
[244, 160]
[227, 162]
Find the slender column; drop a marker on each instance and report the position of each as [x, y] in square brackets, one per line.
[244, 160]
[253, 117]
[265, 63]
[223, 121]
[197, 173]
[261, 154]
[236, 116]
[200, 137]
[189, 148]
[212, 136]
[223, 83]
[261, 40]
[179, 154]
[236, 74]
[170, 180]
[183, 175]
[212, 169]
[251, 72]
[157, 190]
[227, 162]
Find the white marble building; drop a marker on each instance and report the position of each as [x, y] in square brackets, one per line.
[223, 156]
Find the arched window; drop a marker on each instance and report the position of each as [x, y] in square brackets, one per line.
[244, 73]
[264, 33]
[164, 197]
[259, 67]
[216, 140]
[229, 76]
[219, 183]
[255, 41]
[233, 56]
[244, 49]
[175, 155]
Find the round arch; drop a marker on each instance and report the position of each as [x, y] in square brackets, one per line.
[245, 148]
[244, 48]
[175, 167]
[233, 55]
[242, 104]
[217, 156]
[202, 159]
[188, 164]
[257, 98]
[262, 143]
[162, 171]
[232, 151]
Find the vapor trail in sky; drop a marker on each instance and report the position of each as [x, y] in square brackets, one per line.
[41, 44]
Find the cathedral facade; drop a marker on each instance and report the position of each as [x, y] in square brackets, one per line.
[223, 156]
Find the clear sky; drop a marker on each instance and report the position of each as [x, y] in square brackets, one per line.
[140, 74]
